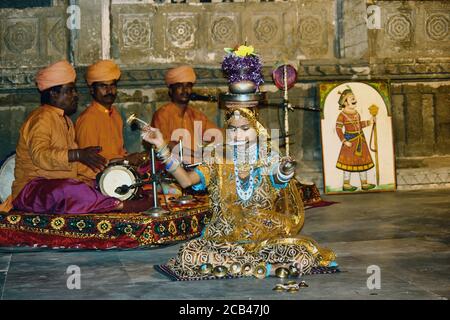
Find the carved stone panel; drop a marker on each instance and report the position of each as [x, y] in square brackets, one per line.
[136, 30]
[181, 30]
[57, 37]
[21, 37]
[437, 26]
[224, 30]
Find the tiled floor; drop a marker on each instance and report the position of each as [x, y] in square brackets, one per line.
[406, 234]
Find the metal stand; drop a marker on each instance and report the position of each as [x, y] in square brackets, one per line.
[156, 211]
[184, 199]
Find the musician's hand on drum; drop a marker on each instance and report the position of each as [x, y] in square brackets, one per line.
[89, 156]
[153, 136]
[137, 158]
[287, 165]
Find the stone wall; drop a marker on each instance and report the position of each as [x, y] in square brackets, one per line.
[403, 42]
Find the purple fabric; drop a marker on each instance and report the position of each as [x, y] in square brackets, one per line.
[61, 196]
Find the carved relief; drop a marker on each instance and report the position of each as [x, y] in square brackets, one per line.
[310, 30]
[312, 35]
[437, 26]
[57, 36]
[136, 31]
[399, 28]
[265, 29]
[20, 37]
[181, 32]
[223, 30]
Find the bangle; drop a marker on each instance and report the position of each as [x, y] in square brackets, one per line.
[282, 177]
[175, 164]
[169, 164]
[160, 149]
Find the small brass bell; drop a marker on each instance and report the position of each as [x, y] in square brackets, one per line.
[206, 268]
[235, 268]
[303, 284]
[293, 289]
[282, 272]
[247, 269]
[291, 283]
[220, 271]
[278, 287]
[260, 271]
[293, 271]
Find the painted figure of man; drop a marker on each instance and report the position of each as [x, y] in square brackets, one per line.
[354, 155]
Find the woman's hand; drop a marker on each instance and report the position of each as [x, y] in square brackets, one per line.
[153, 136]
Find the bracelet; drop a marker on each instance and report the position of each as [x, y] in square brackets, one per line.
[176, 165]
[169, 164]
[160, 149]
[282, 177]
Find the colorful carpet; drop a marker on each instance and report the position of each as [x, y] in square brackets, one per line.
[103, 231]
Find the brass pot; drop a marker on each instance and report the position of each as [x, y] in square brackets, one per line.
[243, 86]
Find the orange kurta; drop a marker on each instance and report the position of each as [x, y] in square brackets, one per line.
[98, 126]
[42, 150]
[170, 117]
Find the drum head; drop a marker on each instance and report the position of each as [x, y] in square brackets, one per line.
[7, 177]
[117, 176]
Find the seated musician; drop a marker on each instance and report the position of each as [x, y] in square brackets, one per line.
[46, 172]
[178, 114]
[101, 124]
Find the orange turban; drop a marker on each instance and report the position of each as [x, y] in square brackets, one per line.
[55, 74]
[103, 70]
[180, 74]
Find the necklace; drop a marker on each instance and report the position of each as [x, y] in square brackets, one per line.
[246, 187]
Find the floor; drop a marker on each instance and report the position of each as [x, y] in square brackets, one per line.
[406, 234]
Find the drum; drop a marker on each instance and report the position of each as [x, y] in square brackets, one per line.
[7, 177]
[115, 176]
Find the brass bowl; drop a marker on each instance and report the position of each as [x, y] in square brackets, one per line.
[243, 86]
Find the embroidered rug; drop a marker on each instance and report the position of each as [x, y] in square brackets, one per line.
[105, 230]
